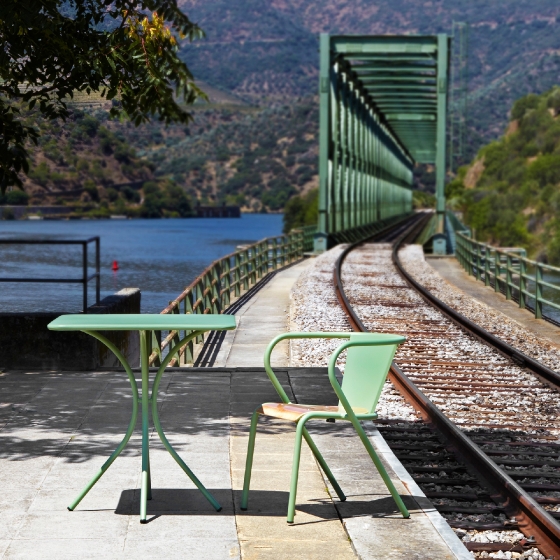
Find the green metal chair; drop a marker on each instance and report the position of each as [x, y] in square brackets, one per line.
[368, 361]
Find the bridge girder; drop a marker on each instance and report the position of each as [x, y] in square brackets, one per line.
[383, 107]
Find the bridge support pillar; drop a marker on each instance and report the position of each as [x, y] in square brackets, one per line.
[320, 242]
[441, 138]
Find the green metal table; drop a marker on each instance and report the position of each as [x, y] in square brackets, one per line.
[195, 325]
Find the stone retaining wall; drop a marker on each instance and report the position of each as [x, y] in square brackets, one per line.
[26, 343]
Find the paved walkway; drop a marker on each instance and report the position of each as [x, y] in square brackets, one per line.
[450, 269]
[56, 429]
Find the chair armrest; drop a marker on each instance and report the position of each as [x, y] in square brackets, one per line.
[290, 335]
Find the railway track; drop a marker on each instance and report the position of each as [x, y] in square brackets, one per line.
[486, 448]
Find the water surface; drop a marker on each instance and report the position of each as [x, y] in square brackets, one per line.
[160, 257]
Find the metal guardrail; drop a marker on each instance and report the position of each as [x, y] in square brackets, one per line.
[308, 234]
[510, 271]
[84, 280]
[227, 278]
[231, 276]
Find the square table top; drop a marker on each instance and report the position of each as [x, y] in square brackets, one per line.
[140, 322]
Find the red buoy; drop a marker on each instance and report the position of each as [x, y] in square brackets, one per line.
[115, 265]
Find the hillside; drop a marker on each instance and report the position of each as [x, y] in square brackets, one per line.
[255, 144]
[255, 158]
[231, 153]
[257, 49]
[510, 194]
[87, 164]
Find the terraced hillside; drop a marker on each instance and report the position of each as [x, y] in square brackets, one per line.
[260, 49]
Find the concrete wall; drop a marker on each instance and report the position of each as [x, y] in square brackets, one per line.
[26, 343]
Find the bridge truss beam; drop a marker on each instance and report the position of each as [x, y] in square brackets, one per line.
[383, 106]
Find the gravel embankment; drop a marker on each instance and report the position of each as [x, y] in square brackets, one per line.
[385, 303]
[495, 322]
[314, 307]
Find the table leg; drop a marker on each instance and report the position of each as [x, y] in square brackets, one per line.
[146, 483]
[159, 429]
[131, 424]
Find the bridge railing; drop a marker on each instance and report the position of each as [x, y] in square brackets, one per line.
[227, 278]
[534, 285]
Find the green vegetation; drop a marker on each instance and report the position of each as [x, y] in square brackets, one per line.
[14, 198]
[115, 48]
[254, 158]
[421, 199]
[510, 194]
[82, 161]
[169, 201]
[269, 49]
[302, 210]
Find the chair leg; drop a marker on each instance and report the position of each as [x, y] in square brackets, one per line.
[381, 469]
[324, 465]
[295, 472]
[249, 460]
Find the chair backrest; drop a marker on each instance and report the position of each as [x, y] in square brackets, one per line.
[367, 368]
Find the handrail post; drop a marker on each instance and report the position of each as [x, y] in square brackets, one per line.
[508, 276]
[264, 257]
[538, 291]
[227, 283]
[477, 262]
[259, 260]
[497, 270]
[216, 288]
[97, 272]
[84, 274]
[522, 283]
[471, 258]
[486, 265]
[189, 348]
[237, 275]
[252, 265]
[274, 254]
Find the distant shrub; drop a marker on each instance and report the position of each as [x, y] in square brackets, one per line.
[89, 125]
[421, 199]
[130, 194]
[8, 214]
[82, 165]
[17, 198]
[91, 189]
[150, 187]
[40, 173]
[112, 194]
[545, 169]
[301, 211]
[521, 106]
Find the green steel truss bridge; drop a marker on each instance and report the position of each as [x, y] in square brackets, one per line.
[383, 108]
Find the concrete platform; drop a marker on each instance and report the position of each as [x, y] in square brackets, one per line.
[56, 429]
[450, 269]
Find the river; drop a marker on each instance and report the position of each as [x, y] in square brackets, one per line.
[160, 257]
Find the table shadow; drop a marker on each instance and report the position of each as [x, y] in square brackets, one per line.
[271, 503]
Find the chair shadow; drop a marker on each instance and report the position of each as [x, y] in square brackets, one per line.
[270, 503]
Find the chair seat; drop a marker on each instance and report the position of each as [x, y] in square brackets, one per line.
[294, 412]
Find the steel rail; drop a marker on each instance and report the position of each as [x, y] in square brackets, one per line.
[504, 348]
[532, 520]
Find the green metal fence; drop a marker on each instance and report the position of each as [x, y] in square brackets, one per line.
[221, 283]
[228, 278]
[510, 271]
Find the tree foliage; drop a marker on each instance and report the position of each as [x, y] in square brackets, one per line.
[515, 198]
[125, 49]
[301, 210]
